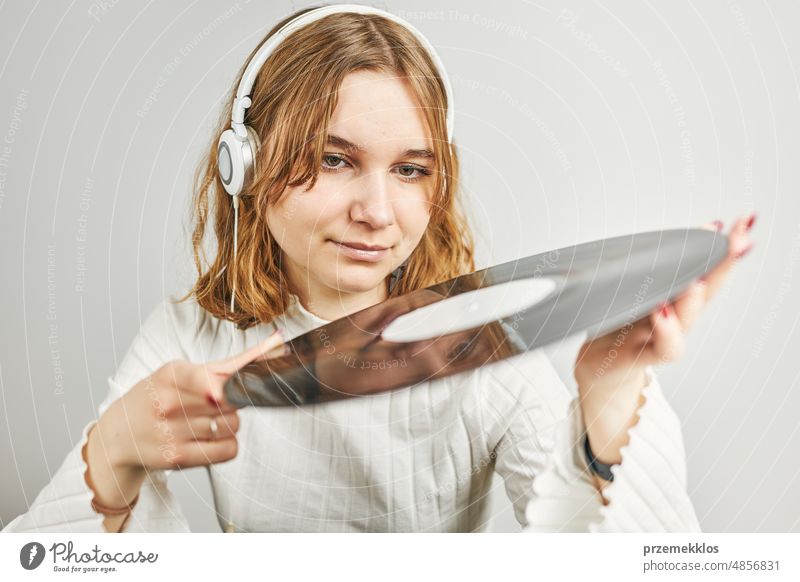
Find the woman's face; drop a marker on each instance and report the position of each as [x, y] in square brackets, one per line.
[373, 191]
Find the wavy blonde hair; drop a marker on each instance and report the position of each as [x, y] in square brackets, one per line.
[294, 96]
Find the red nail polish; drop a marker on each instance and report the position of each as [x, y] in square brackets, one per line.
[211, 400]
[664, 310]
[718, 224]
[751, 221]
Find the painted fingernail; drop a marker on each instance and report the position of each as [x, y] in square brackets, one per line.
[664, 310]
[751, 221]
[212, 401]
[745, 251]
[718, 224]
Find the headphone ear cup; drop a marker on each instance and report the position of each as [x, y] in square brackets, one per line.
[250, 148]
[255, 143]
[236, 159]
[230, 161]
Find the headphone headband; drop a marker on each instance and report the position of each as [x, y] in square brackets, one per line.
[242, 101]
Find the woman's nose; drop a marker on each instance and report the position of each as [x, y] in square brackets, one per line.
[372, 204]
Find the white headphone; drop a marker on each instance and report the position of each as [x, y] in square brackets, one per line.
[238, 146]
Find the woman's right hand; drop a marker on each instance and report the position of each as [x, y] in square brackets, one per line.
[165, 422]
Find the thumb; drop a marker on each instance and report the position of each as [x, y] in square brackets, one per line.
[228, 366]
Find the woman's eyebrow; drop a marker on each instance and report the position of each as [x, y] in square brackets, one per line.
[351, 148]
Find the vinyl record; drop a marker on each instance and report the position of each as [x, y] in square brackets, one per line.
[482, 317]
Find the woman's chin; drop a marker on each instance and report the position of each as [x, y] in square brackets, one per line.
[359, 280]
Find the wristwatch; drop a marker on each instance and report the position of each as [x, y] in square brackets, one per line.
[600, 469]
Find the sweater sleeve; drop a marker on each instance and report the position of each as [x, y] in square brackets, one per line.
[524, 407]
[64, 505]
[649, 490]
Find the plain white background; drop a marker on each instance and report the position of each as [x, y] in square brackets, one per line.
[575, 121]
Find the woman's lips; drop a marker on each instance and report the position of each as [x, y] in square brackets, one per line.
[371, 256]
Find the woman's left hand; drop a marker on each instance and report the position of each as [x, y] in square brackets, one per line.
[610, 369]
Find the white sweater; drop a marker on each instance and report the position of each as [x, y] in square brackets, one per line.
[417, 459]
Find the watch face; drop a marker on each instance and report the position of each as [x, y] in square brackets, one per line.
[480, 318]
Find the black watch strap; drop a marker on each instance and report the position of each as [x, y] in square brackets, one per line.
[598, 468]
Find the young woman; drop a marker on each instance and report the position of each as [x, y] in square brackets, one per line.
[355, 191]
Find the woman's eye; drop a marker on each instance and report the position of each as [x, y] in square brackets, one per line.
[412, 173]
[330, 162]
